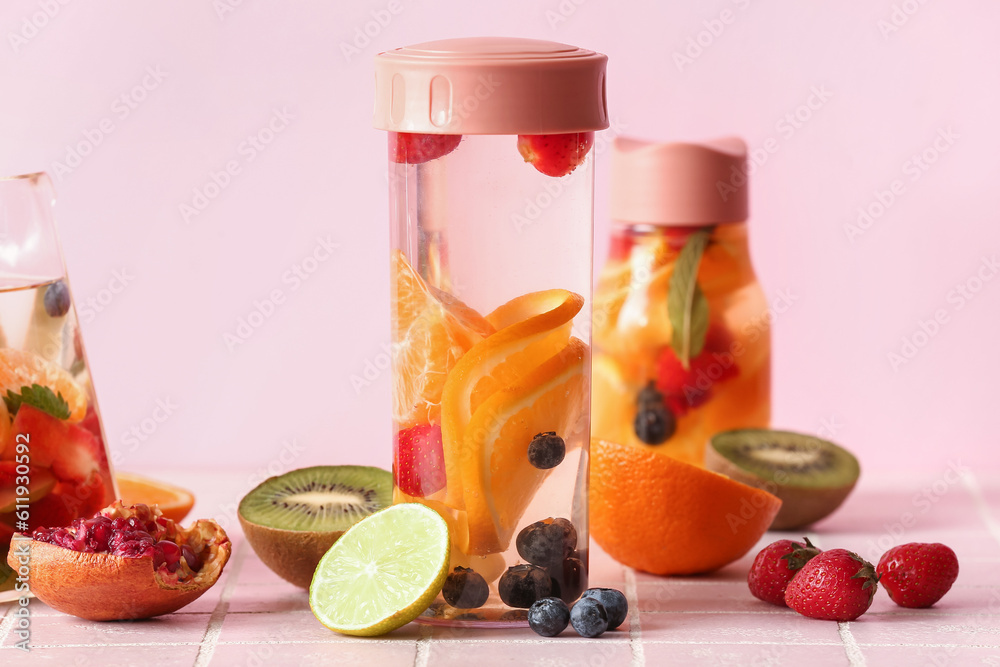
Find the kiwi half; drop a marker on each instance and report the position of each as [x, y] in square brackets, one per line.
[293, 519]
[812, 476]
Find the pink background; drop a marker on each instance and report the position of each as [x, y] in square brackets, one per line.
[284, 398]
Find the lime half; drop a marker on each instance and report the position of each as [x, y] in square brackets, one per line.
[383, 572]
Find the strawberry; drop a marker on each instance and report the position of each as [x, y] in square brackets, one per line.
[775, 566]
[413, 148]
[916, 574]
[555, 154]
[685, 389]
[836, 585]
[419, 460]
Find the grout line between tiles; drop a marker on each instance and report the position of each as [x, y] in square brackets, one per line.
[971, 485]
[207, 647]
[855, 658]
[635, 625]
[422, 655]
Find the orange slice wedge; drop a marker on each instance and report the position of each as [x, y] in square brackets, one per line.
[543, 313]
[432, 329]
[499, 480]
[173, 501]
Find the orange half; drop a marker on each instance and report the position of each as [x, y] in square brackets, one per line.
[173, 501]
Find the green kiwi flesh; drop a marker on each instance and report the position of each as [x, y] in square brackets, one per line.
[292, 520]
[812, 476]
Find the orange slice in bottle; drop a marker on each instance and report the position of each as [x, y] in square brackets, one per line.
[541, 313]
[499, 479]
[23, 369]
[431, 331]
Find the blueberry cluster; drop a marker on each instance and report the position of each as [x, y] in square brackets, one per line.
[654, 422]
[554, 565]
[598, 610]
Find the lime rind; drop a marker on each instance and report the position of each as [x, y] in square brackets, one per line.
[383, 572]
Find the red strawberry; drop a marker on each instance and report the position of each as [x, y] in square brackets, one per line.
[775, 566]
[419, 460]
[413, 148]
[917, 574]
[836, 585]
[687, 389]
[555, 154]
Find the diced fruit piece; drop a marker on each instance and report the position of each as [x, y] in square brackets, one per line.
[71, 451]
[91, 422]
[56, 299]
[499, 480]
[429, 336]
[173, 501]
[548, 616]
[917, 575]
[40, 483]
[812, 476]
[531, 328]
[547, 543]
[688, 388]
[775, 566]
[373, 579]
[127, 563]
[836, 585]
[419, 460]
[521, 585]
[465, 589]
[292, 520]
[589, 617]
[415, 148]
[614, 603]
[709, 521]
[555, 154]
[24, 369]
[546, 450]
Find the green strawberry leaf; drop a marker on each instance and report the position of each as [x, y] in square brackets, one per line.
[687, 307]
[39, 397]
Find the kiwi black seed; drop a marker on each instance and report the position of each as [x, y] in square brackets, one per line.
[812, 476]
[292, 520]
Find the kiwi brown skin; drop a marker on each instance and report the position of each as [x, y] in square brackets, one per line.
[291, 554]
[800, 506]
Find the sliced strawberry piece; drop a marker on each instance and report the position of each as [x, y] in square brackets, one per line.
[413, 148]
[40, 483]
[555, 154]
[419, 460]
[685, 389]
[73, 453]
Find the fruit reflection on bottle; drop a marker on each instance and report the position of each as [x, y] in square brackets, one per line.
[681, 337]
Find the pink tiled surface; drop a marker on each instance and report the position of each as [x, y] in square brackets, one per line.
[251, 617]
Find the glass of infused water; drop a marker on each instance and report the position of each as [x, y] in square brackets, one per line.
[53, 460]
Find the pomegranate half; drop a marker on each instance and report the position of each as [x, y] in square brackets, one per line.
[124, 563]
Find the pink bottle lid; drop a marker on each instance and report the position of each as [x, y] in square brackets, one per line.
[679, 183]
[490, 85]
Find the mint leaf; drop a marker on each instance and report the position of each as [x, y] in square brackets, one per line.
[687, 307]
[39, 397]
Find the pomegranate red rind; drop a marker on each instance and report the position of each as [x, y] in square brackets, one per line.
[106, 587]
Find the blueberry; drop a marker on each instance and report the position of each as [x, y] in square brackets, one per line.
[654, 425]
[614, 603]
[466, 589]
[547, 543]
[521, 585]
[56, 299]
[589, 618]
[547, 450]
[548, 617]
[569, 579]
